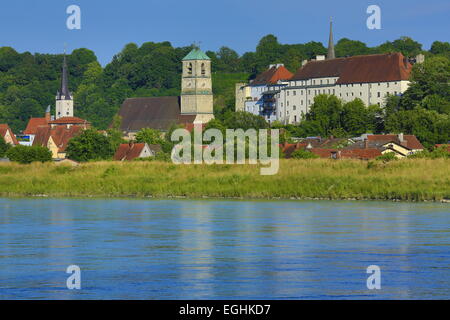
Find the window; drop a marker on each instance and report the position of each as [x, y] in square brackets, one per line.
[387, 84]
[294, 108]
[379, 94]
[190, 68]
[287, 104]
[295, 93]
[295, 118]
[203, 69]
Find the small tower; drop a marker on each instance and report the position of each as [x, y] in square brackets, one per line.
[196, 87]
[64, 99]
[331, 54]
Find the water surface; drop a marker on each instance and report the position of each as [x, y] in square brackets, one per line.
[141, 249]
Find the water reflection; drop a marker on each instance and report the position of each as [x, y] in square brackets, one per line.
[222, 249]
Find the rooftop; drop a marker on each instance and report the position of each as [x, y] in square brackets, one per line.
[196, 54]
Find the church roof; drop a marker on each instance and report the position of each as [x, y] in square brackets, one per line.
[158, 113]
[358, 69]
[64, 90]
[196, 54]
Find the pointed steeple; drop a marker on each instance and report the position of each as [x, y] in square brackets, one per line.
[64, 91]
[331, 54]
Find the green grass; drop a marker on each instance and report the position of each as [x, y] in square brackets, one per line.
[409, 180]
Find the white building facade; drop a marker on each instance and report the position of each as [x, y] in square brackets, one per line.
[370, 78]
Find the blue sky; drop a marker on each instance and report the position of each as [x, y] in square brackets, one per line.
[107, 25]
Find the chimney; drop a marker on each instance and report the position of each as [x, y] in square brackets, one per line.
[48, 116]
[366, 143]
[401, 138]
[304, 62]
[320, 58]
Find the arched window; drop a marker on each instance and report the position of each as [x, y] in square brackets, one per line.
[190, 68]
[203, 69]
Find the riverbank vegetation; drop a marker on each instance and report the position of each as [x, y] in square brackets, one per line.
[409, 180]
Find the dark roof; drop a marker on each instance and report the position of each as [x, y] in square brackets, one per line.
[272, 76]
[64, 90]
[156, 112]
[358, 69]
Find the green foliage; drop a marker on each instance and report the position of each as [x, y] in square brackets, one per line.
[303, 154]
[245, 120]
[4, 147]
[387, 157]
[152, 136]
[90, 145]
[436, 153]
[26, 155]
[346, 48]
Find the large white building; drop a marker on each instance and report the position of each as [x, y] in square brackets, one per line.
[370, 78]
[286, 99]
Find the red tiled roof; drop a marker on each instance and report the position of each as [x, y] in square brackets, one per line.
[358, 69]
[272, 76]
[409, 141]
[4, 128]
[60, 135]
[128, 151]
[69, 120]
[33, 124]
[323, 153]
[443, 145]
[362, 154]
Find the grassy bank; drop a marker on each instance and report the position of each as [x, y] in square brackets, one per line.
[413, 180]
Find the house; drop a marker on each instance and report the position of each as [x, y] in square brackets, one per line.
[131, 151]
[7, 134]
[402, 145]
[56, 138]
[194, 106]
[261, 92]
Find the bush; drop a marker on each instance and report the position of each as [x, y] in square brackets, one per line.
[160, 156]
[302, 154]
[90, 145]
[387, 157]
[437, 153]
[25, 155]
[4, 147]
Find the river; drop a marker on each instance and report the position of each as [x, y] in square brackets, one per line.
[181, 249]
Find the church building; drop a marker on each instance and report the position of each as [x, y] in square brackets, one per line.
[55, 132]
[194, 106]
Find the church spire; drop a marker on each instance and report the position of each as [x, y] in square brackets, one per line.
[331, 54]
[64, 91]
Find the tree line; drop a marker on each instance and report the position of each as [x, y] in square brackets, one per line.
[28, 82]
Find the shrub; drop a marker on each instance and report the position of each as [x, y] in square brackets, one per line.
[302, 154]
[4, 147]
[387, 157]
[90, 145]
[25, 155]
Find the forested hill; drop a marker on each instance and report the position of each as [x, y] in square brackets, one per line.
[28, 82]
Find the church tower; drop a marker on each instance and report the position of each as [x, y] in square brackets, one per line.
[196, 87]
[64, 98]
[331, 54]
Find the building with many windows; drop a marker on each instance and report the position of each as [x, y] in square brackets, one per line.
[287, 98]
